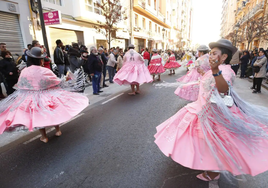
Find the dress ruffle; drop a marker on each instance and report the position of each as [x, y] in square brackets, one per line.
[133, 73]
[156, 68]
[35, 109]
[172, 65]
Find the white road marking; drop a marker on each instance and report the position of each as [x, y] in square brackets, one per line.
[51, 129]
[112, 98]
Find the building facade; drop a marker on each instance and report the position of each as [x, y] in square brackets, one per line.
[242, 13]
[161, 24]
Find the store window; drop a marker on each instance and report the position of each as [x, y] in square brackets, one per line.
[154, 4]
[150, 25]
[149, 2]
[56, 2]
[158, 29]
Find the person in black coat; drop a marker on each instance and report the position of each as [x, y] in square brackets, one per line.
[244, 63]
[104, 60]
[95, 65]
[9, 70]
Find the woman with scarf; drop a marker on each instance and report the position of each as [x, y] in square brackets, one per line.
[260, 72]
[41, 99]
[189, 84]
[134, 72]
[219, 133]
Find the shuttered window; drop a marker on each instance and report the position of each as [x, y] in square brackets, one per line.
[10, 33]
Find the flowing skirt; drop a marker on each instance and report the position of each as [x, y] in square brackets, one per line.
[182, 138]
[36, 109]
[172, 65]
[133, 73]
[156, 69]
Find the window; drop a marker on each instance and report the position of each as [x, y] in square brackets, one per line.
[155, 28]
[92, 7]
[167, 15]
[158, 29]
[149, 2]
[154, 4]
[150, 25]
[136, 20]
[168, 34]
[143, 23]
[56, 2]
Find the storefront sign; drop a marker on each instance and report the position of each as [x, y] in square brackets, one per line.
[52, 18]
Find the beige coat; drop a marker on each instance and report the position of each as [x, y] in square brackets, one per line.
[261, 63]
[120, 62]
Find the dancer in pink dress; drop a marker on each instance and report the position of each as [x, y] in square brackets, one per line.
[133, 72]
[172, 64]
[41, 99]
[155, 67]
[219, 132]
[189, 83]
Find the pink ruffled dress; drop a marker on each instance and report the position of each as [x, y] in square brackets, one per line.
[213, 137]
[133, 71]
[172, 63]
[189, 83]
[39, 101]
[155, 67]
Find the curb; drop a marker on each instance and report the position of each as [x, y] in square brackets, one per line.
[263, 85]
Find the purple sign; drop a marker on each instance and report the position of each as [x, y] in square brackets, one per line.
[52, 18]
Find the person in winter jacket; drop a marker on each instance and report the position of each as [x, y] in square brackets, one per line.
[59, 58]
[94, 65]
[9, 70]
[146, 57]
[74, 55]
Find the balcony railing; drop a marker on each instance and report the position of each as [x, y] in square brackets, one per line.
[252, 13]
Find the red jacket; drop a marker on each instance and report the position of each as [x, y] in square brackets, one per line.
[146, 55]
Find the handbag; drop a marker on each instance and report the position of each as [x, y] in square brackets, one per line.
[256, 69]
[227, 99]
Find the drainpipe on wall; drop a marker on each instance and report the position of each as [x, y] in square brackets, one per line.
[32, 19]
[43, 26]
[131, 22]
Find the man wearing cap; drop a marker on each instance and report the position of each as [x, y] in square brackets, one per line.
[104, 61]
[156, 67]
[133, 72]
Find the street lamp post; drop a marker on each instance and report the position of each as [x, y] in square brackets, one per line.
[236, 29]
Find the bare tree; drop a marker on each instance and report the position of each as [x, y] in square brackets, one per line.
[113, 14]
[255, 29]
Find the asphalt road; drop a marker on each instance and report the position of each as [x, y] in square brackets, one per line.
[110, 145]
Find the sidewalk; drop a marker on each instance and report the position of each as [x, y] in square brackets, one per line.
[13, 138]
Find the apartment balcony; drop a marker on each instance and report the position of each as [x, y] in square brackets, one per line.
[142, 8]
[256, 10]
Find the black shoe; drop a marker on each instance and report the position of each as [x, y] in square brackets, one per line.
[111, 82]
[255, 91]
[105, 85]
[100, 91]
[252, 88]
[96, 94]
